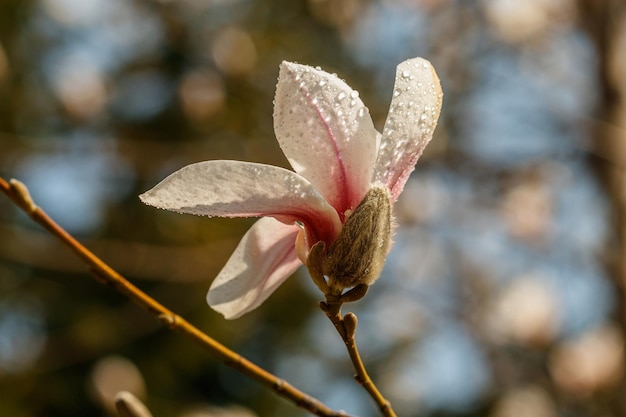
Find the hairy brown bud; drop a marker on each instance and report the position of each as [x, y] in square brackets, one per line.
[358, 255]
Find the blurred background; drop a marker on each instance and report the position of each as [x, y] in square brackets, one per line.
[503, 295]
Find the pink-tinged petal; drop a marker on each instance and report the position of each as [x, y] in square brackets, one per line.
[246, 189]
[412, 118]
[326, 133]
[263, 260]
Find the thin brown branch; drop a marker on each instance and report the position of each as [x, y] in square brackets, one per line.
[346, 327]
[103, 273]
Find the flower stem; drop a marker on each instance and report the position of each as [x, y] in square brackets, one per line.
[103, 273]
[346, 327]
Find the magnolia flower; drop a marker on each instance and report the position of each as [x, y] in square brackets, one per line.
[347, 177]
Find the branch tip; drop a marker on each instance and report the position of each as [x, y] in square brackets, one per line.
[127, 405]
[22, 196]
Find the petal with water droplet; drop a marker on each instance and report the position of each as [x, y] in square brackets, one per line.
[326, 133]
[246, 189]
[408, 128]
[263, 260]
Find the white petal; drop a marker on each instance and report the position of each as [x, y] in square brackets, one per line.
[409, 127]
[263, 260]
[326, 133]
[245, 189]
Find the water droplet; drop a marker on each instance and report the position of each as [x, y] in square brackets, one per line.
[322, 82]
[352, 103]
[354, 94]
[425, 65]
[362, 112]
[406, 74]
[397, 92]
[341, 96]
[318, 68]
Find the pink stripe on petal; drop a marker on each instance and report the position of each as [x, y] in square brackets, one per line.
[263, 260]
[326, 133]
[246, 189]
[412, 118]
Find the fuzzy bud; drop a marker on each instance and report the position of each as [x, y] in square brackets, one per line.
[358, 254]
